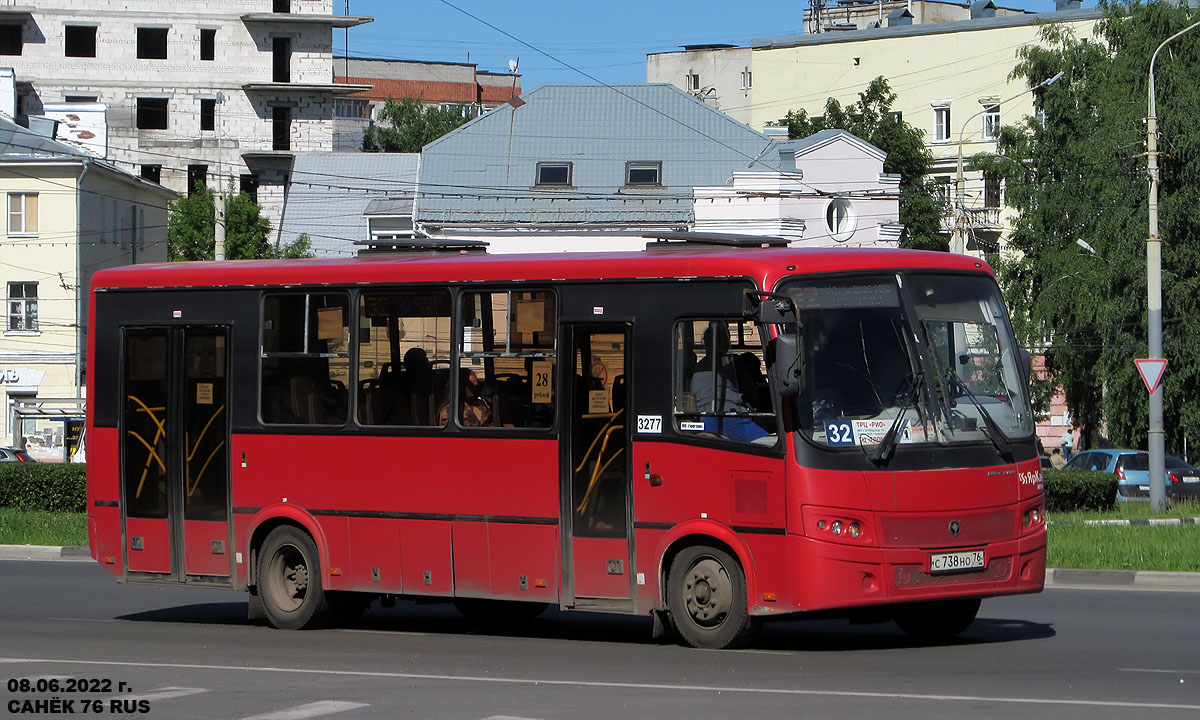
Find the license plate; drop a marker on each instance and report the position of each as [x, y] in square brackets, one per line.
[950, 562]
[1191, 479]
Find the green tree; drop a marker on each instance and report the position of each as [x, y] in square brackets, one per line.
[190, 234]
[410, 125]
[871, 118]
[1081, 176]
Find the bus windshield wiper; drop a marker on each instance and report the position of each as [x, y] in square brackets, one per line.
[990, 429]
[887, 445]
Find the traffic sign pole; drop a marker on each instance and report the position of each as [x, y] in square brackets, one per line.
[1152, 370]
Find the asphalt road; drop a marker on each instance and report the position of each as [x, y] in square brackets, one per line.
[190, 653]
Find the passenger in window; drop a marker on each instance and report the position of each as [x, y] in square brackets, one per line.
[475, 410]
[715, 386]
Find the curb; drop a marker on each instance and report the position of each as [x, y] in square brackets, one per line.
[45, 552]
[1145, 521]
[1143, 579]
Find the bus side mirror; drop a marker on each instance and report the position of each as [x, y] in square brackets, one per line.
[1027, 365]
[783, 362]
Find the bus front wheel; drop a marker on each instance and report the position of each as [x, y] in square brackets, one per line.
[937, 621]
[289, 580]
[706, 594]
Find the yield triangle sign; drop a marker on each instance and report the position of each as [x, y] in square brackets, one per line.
[1151, 372]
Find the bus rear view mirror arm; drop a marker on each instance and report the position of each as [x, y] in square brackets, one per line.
[766, 307]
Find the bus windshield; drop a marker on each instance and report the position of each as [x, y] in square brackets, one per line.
[923, 358]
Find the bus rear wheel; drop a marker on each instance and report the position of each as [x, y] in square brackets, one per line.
[289, 580]
[937, 621]
[706, 594]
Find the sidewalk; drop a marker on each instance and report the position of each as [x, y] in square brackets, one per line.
[1055, 577]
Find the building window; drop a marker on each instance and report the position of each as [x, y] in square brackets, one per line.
[281, 128]
[897, 116]
[208, 44]
[643, 173]
[692, 80]
[747, 79]
[152, 43]
[553, 173]
[941, 191]
[11, 38]
[281, 59]
[991, 191]
[941, 124]
[281, 6]
[79, 41]
[249, 186]
[80, 98]
[22, 213]
[152, 113]
[354, 108]
[197, 178]
[22, 306]
[840, 219]
[153, 173]
[208, 114]
[991, 122]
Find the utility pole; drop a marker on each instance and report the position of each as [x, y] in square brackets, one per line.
[1155, 436]
[219, 200]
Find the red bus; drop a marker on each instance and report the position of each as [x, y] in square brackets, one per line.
[709, 432]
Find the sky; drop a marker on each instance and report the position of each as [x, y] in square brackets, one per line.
[569, 41]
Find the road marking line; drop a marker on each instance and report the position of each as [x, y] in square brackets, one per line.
[35, 678]
[628, 685]
[163, 693]
[507, 717]
[314, 709]
[1164, 671]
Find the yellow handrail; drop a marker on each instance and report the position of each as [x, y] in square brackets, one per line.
[160, 432]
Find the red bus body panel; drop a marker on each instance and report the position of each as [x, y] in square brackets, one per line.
[441, 515]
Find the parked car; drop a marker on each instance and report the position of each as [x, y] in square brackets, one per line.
[1132, 468]
[1112, 460]
[9, 454]
[1183, 480]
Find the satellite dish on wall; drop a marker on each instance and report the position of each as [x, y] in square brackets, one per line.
[512, 64]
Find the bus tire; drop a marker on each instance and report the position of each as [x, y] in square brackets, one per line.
[289, 580]
[937, 621]
[706, 596]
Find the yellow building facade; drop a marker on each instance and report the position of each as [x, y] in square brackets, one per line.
[951, 80]
[67, 215]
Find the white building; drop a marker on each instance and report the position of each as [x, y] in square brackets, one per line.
[211, 92]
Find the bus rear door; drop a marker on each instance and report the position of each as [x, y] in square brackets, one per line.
[175, 453]
[597, 552]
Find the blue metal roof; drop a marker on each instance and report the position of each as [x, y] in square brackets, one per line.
[330, 191]
[484, 173]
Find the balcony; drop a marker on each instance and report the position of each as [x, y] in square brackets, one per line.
[332, 21]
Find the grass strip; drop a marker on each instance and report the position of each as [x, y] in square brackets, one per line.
[37, 527]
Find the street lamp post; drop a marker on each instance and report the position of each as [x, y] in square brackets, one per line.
[1155, 440]
[958, 241]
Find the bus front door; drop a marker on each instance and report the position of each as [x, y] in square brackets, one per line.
[175, 453]
[597, 552]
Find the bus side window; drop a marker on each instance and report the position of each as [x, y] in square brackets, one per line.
[720, 388]
[507, 354]
[403, 356]
[305, 358]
